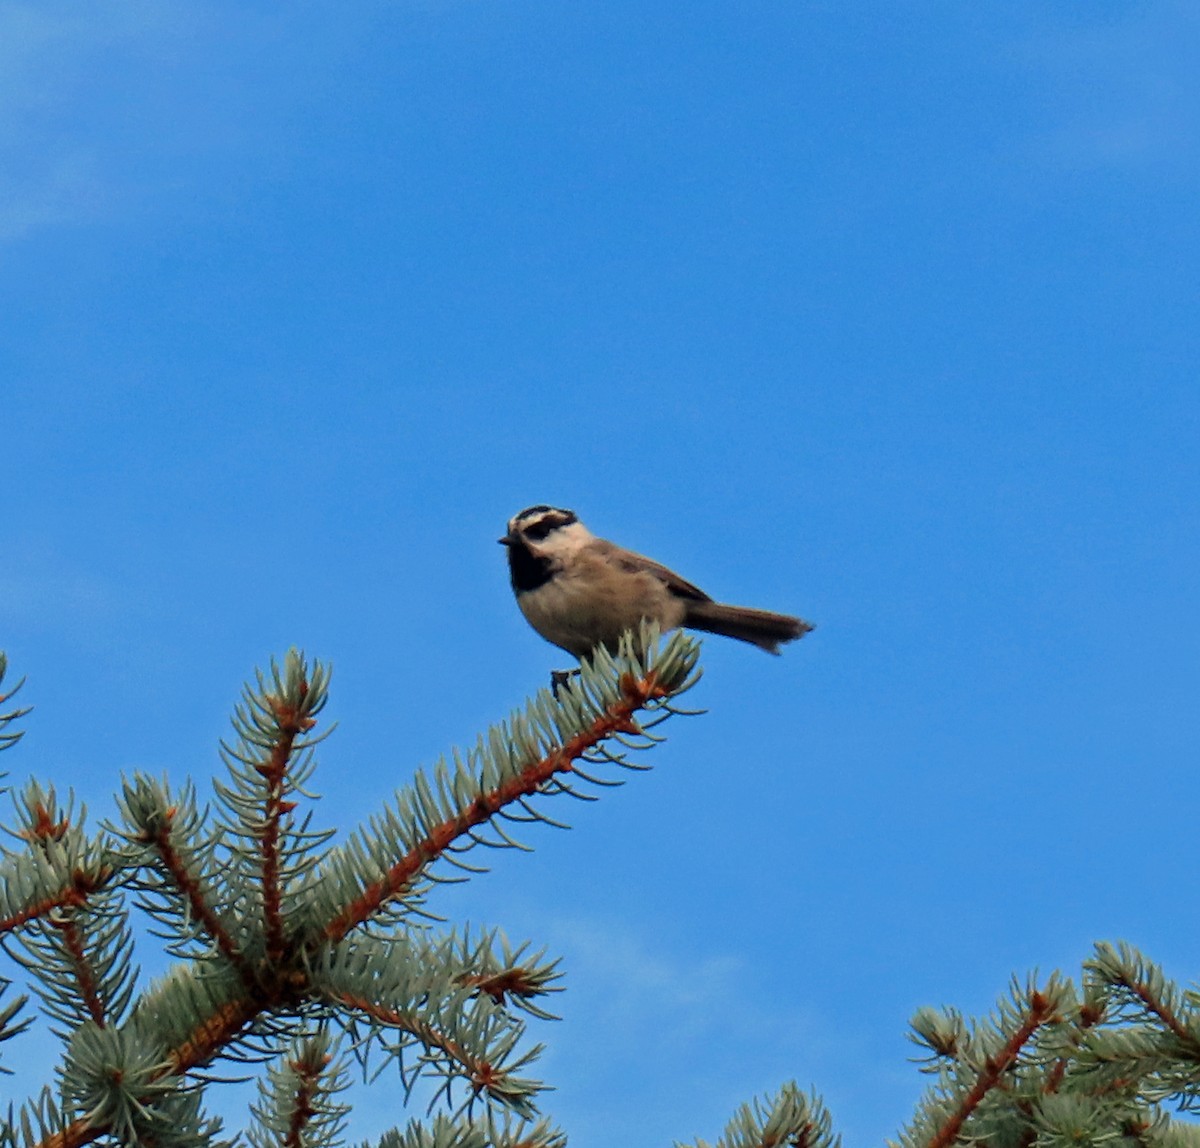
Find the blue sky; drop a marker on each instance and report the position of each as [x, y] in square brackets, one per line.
[884, 317]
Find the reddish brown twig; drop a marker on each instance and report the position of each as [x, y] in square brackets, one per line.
[71, 896]
[215, 1033]
[291, 725]
[200, 909]
[72, 939]
[1041, 1009]
[483, 1074]
[618, 718]
[1089, 1015]
[309, 1072]
[75, 1135]
[44, 827]
[1142, 991]
[514, 982]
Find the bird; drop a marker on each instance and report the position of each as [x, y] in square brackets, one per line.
[579, 591]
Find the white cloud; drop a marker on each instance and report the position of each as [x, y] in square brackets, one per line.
[633, 976]
[625, 982]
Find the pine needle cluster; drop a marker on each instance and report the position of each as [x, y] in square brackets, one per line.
[1058, 1065]
[302, 956]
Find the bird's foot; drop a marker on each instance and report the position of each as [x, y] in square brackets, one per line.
[560, 678]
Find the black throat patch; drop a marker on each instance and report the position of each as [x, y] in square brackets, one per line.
[527, 570]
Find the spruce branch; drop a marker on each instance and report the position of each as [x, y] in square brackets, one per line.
[9, 737]
[58, 868]
[1072, 1120]
[77, 940]
[292, 708]
[282, 941]
[246, 901]
[130, 1080]
[514, 976]
[531, 756]
[297, 1106]
[30, 891]
[404, 1004]
[172, 863]
[118, 1083]
[1090, 1013]
[268, 766]
[40, 1120]
[454, 1132]
[482, 962]
[1096, 1070]
[80, 961]
[1150, 1045]
[788, 1120]
[1137, 988]
[981, 1060]
[11, 1022]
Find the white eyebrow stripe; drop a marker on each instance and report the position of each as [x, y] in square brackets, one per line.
[534, 515]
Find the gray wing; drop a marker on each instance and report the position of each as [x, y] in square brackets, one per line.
[634, 563]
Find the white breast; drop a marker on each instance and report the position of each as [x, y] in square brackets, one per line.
[592, 601]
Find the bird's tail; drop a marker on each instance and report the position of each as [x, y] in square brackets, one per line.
[759, 627]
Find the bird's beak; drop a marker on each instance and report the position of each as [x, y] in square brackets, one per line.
[505, 541]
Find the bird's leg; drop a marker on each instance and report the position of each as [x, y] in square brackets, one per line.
[560, 678]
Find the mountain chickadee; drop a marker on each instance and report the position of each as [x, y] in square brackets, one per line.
[579, 591]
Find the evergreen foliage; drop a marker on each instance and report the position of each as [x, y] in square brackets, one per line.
[308, 954]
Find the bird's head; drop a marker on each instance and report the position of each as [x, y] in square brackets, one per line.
[544, 533]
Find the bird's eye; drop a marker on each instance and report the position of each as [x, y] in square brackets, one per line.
[538, 530]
